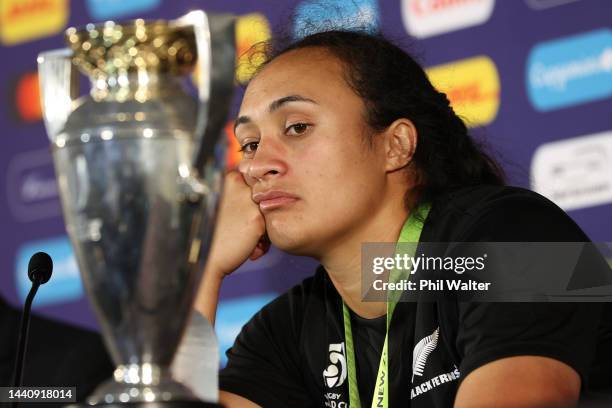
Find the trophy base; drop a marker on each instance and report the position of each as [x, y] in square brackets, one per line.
[161, 390]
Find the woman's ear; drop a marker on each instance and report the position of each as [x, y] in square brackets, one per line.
[400, 144]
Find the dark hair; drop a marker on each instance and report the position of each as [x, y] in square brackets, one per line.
[393, 85]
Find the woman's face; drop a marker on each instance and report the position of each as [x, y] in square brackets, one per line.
[306, 154]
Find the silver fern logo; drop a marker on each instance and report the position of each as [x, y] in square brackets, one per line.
[422, 351]
[335, 374]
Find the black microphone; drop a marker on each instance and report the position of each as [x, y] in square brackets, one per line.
[40, 268]
[39, 272]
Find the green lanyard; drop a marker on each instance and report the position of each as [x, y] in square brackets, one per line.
[411, 232]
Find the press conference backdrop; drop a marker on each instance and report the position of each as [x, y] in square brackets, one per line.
[532, 78]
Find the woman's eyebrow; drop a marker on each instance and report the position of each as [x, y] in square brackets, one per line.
[286, 99]
[241, 120]
[275, 105]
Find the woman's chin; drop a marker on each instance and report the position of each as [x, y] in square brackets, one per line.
[290, 241]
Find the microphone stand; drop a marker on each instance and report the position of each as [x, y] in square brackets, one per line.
[23, 337]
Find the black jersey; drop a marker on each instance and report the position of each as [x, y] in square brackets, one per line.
[284, 355]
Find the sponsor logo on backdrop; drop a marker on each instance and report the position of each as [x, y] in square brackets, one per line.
[104, 9]
[472, 86]
[544, 4]
[65, 284]
[251, 29]
[232, 315]
[313, 16]
[25, 20]
[425, 18]
[570, 70]
[575, 173]
[31, 186]
[27, 98]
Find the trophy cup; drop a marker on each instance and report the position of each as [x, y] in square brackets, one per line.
[140, 171]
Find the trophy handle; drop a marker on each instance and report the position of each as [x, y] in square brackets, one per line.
[215, 43]
[59, 88]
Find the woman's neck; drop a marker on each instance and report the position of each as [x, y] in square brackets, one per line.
[343, 262]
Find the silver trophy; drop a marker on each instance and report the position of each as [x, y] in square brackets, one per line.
[140, 171]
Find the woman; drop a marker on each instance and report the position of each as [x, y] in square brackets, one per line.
[344, 139]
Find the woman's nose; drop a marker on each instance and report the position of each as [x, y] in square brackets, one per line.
[266, 164]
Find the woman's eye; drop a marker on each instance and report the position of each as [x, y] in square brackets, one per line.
[297, 129]
[249, 147]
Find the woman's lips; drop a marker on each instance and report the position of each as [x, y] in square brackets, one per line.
[273, 199]
[276, 202]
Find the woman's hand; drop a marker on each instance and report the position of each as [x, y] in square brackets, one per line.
[240, 228]
[240, 234]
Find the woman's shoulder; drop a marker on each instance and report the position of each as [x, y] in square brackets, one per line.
[500, 213]
[473, 199]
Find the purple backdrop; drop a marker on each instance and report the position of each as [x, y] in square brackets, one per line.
[534, 78]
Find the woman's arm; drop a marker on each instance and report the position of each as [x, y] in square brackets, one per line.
[230, 400]
[520, 382]
[208, 294]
